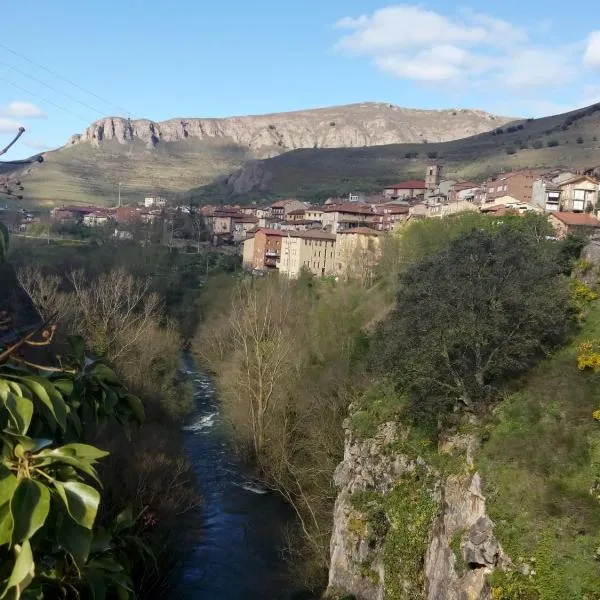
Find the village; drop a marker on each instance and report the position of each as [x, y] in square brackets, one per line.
[344, 235]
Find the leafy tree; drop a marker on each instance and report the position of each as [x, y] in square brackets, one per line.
[50, 543]
[483, 309]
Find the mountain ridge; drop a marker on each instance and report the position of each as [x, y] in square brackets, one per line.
[145, 157]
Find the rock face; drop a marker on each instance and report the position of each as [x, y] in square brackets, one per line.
[460, 524]
[356, 125]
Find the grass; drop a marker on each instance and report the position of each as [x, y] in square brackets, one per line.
[539, 462]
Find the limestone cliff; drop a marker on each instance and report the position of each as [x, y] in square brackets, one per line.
[403, 530]
[356, 125]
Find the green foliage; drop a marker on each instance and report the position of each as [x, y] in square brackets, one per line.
[513, 585]
[539, 463]
[49, 485]
[484, 309]
[455, 545]
[376, 405]
[410, 509]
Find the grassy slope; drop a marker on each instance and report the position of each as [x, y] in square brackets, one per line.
[85, 174]
[322, 172]
[539, 465]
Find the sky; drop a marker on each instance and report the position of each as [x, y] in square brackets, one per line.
[67, 63]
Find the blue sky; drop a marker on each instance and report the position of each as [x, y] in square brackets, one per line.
[184, 58]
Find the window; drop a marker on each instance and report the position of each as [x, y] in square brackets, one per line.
[578, 194]
[578, 204]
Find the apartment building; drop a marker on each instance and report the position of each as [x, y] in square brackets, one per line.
[313, 250]
[518, 184]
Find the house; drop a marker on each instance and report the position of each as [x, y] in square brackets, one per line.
[357, 252]
[347, 216]
[296, 215]
[566, 223]
[155, 202]
[518, 184]
[546, 194]
[405, 189]
[263, 250]
[241, 225]
[463, 190]
[514, 204]
[71, 213]
[96, 219]
[387, 215]
[578, 193]
[313, 250]
[313, 214]
[281, 208]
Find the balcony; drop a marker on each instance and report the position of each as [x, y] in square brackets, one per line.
[271, 254]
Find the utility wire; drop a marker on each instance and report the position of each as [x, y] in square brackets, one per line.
[52, 88]
[15, 85]
[65, 79]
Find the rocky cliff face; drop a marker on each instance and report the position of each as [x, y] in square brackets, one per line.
[357, 125]
[403, 530]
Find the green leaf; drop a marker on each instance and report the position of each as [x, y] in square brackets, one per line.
[64, 386]
[22, 573]
[81, 501]
[45, 458]
[124, 520]
[104, 373]
[8, 484]
[29, 507]
[75, 539]
[4, 389]
[77, 345]
[83, 451]
[50, 396]
[20, 410]
[136, 406]
[6, 524]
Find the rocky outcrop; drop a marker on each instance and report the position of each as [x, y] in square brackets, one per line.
[459, 548]
[356, 125]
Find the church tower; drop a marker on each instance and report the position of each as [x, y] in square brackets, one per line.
[433, 176]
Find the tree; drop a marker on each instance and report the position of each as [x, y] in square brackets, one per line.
[50, 543]
[483, 309]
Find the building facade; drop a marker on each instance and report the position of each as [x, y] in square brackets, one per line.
[312, 250]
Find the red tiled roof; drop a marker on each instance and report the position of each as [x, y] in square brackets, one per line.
[576, 219]
[411, 184]
[299, 211]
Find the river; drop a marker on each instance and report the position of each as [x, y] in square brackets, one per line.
[238, 554]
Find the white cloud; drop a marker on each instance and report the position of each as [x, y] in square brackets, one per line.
[24, 110]
[591, 58]
[9, 125]
[467, 48]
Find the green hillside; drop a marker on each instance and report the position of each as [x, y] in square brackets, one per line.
[88, 174]
[569, 140]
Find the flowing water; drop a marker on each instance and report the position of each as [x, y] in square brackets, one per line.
[238, 555]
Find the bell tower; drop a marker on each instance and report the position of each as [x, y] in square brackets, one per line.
[433, 176]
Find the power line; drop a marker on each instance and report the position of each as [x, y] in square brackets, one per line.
[65, 79]
[52, 88]
[15, 85]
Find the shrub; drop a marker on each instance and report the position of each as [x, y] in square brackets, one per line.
[511, 151]
[432, 155]
[411, 155]
[538, 144]
[499, 131]
[511, 129]
[552, 143]
[579, 140]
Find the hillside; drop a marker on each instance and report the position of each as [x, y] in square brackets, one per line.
[179, 154]
[569, 139]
